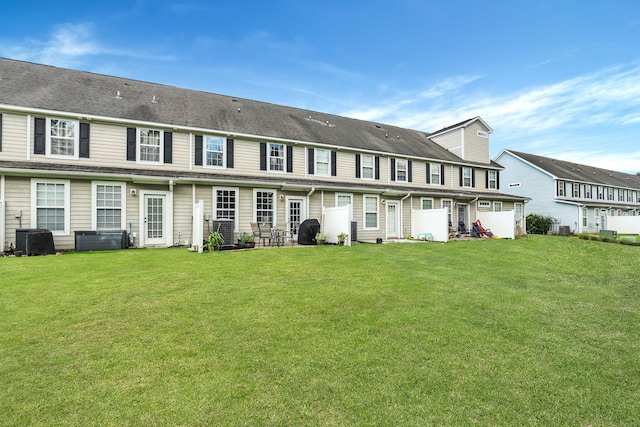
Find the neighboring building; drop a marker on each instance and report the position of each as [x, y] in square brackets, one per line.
[83, 151]
[575, 195]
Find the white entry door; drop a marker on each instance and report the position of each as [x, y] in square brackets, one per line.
[393, 220]
[295, 215]
[155, 220]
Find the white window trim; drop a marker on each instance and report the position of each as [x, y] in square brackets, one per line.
[275, 204]
[484, 204]
[350, 195]
[464, 177]
[284, 157]
[94, 203]
[373, 167]
[437, 167]
[405, 169]
[422, 199]
[67, 204]
[493, 180]
[316, 162]
[204, 152]
[237, 204]
[161, 147]
[76, 141]
[495, 204]
[364, 211]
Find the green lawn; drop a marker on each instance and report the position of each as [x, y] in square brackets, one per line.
[544, 331]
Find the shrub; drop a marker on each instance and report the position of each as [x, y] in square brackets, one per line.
[538, 224]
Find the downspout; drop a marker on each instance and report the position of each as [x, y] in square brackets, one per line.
[313, 189]
[402, 212]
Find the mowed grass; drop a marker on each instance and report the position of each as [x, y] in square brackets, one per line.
[544, 331]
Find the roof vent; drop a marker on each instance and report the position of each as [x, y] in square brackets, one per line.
[397, 136]
[118, 96]
[154, 100]
[238, 109]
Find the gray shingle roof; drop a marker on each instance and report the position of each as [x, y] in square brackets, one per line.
[569, 171]
[30, 85]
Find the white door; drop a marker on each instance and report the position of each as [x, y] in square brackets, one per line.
[155, 219]
[295, 215]
[393, 220]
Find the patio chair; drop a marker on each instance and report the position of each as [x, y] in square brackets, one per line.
[260, 232]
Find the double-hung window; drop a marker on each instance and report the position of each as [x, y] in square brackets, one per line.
[62, 138]
[560, 191]
[434, 172]
[497, 206]
[368, 166]
[370, 212]
[345, 199]
[214, 150]
[609, 193]
[492, 179]
[149, 148]
[401, 170]
[467, 178]
[225, 204]
[50, 205]
[587, 191]
[426, 203]
[323, 159]
[276, 155]
[265, 206]
[448, 204]
[576, 190]
[108, 200]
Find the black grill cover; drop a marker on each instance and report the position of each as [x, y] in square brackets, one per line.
[307, 232]
[40, 242]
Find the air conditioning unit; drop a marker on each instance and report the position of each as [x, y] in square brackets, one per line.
[564, 230]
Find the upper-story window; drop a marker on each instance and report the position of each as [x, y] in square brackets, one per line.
[560, 189]
[401, 170]
[149, 145]
[609, 193]
[63, 138]
[214, 150]
[323, 158]
[55, 137]
[466, 176]
[435, 173]
[587, 191]
[600, 192]
[492, 179]
[576, 190]
[368, 166]
[276, 157]
[621, 195]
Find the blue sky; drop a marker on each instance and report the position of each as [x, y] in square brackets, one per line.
[555, 78]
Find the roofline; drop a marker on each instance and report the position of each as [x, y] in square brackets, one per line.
[250, 137]
[461, 125]
[504, 150]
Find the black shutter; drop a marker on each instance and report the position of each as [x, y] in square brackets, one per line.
[377, 167]
[393, 169]
[441, 174]
[428, 173]
[289, 158]
[357, 165]
[497, 180]
[473, 177]
[486, 179]
[84, 140]
[311, 160]
[230, 153]
[334, 163]
[39, 136]
[409, 177]
[263, 156]
[168, 147]
[131, 144]
[0, 131]
[461, 182]
[198, 154]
